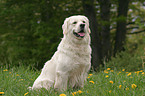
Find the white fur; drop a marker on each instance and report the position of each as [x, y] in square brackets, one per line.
[70, 63]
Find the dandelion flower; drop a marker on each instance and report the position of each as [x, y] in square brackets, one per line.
[129, 74]
[106, 76]
[142, 73]
[112, 70]
[74, 93]
[111, 82]
[1, 93]
[90, 74]
[106, 71]
[108, 68]
[17, 75]
[120, 86]
[62, 95]
[123, 69]
[79, 91]
[133, 86]
[110, 91]
[91, 82]
[127, 88]
[5, 70]
[26, 93]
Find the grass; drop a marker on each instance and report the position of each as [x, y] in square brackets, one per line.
[15, 81]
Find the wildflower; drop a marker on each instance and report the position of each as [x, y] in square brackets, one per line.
[89, 77]
[5, 70]
[142, 73]
[118, 73]
[126, 88]
[9, 72]
[1, 93]
[124, 81]
[91, 82]
[26, 93]
[106, 71]
[123, 69]
[131, 77]
[17, 75]
[106, 76]
[111, 82]
[110, 91]
[133, 86]
[74, 93]
[90, 74]
[129, 74]
[79, 91]
[112, 70]
[120, 86]
[62, 95]
[108, 68]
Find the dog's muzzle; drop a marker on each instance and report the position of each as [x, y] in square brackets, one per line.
[81, 33]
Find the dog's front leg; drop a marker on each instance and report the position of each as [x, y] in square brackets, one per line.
[61, 81]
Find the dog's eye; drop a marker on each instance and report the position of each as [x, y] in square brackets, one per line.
[84, 22]
[75, 22]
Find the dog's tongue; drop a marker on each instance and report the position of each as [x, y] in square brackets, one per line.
[81, 34]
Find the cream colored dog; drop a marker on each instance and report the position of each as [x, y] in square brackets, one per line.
[69, 65]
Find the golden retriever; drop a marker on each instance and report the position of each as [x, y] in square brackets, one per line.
[69, 65]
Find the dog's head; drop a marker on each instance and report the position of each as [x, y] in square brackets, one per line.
[78, 26]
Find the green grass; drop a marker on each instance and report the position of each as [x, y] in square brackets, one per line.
[15, 81]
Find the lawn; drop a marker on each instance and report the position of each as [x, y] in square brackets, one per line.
[15, 82]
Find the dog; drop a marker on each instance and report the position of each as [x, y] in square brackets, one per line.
[70, 64]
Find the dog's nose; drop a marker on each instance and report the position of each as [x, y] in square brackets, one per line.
[82, 25]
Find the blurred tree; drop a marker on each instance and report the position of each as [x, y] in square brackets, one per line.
[105, 6]
[121, 25]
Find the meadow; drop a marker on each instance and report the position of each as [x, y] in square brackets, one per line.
[109, 82]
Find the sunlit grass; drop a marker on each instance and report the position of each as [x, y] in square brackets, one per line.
[15, 82]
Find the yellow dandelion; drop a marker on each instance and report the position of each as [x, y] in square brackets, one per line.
[91, 82]
[142, 73]
[120, 86]
[111, 82]
[112, 70]
[88, 77]
[5, 70]
[129, 74]
[108, 69]
[123, 69]
[90, 74]
[126, 88]
[105, 71]
[110, 91]
[26, 93]
[62, 95]
[9, 72]
[131, 77]
[106, 76]
[124, 81]
[74, 93]
[133, 86]
[17, 75]
[79, 91]
[2, 93]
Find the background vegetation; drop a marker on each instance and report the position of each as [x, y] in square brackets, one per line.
[30, 31]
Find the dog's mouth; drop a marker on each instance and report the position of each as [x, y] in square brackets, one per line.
[79, 34]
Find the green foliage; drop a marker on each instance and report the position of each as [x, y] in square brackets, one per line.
[132, 58]
[15, 81]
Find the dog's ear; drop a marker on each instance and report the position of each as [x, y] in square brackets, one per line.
[65, 26]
